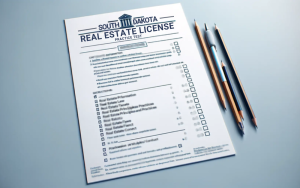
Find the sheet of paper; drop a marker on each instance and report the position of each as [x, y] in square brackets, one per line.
[143, 97]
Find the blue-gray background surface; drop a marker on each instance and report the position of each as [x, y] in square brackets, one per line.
[39, 136]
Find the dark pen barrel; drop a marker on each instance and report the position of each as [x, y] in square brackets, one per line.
[239, 108]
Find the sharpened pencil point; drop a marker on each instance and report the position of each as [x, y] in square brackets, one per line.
[224, 104]
[196, 25]
[254, 121]
[241, 126]
[241, 114]
[222, 64]
[216, 27]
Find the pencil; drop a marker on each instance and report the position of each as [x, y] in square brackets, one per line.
[237, 77]
[212, 45]
[236, 101]
[210, 65]
[233, 107]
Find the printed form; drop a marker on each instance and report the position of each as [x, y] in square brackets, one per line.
[143, 97]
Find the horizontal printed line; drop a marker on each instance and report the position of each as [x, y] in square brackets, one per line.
[135, 90]
[133, 55]
[167, 17]
[97, 50]
[153, 135]
[87, 29]
[113, 21]
[156, 23]
[164, 40]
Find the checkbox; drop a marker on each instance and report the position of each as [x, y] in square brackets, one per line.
[200, 111]
[201, 116]
[103, 143]
[194, 94]
[191, 84]
[192, 89]
[203, 122]
[189, 79]
[196, 100]
[198, 106]
[184, 66]
[207, 133]
[205, 128]
[102, 139]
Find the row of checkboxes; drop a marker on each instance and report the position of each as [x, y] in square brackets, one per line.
[100, 127]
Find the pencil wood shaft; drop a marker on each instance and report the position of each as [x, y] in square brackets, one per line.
[233, 93]
[231, 103]
[237, 77]
[210, 65]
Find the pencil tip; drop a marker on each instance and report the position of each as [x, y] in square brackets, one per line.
[254, 121]
[241, 126]
[223, 103]
[194, 20]
[216, 27]
[241, 112]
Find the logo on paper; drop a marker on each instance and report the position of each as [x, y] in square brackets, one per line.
[126, 21]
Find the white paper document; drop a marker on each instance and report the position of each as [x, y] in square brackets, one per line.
[143, 97]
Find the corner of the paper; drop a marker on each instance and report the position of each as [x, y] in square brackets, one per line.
[178, 4]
